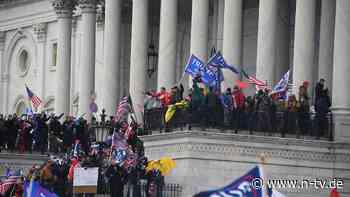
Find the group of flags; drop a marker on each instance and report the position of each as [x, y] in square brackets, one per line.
[211, 75]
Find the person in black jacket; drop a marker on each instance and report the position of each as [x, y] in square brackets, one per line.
[322, 106]
[116, 179]
[56, 135]
[11, 131]
[67, 127]
[43, 130]
[318, 89]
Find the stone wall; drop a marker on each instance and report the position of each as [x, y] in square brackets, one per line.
[209, 160]
[19, 161]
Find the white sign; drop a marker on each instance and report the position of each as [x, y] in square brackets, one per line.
[85, 177]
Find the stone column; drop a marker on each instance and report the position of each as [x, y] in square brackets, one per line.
[2, 69]
[199, 34]
[87, 66]
[282, 56]
[167, 44]
[304, 43]
[64, 10]
[138, 56]
[232, 39]
[40, 33]
[266, 53]
[199, 29]
[325, 58]
[341, 72]
[112, 47]
[220, 25]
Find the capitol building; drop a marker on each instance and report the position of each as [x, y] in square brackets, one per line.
[70, 52]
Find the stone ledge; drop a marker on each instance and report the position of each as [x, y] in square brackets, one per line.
[231, 147]
[8, 155]
[215, 135]
[13, 3]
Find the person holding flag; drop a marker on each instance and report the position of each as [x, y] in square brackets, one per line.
[279, 91]
[35, 100]
[217, 60]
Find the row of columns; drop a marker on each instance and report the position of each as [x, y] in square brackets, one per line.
[64, 10]
[303, 60]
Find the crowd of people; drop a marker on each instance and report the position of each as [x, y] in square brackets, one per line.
[40, 132]
[207, 107]
[263, 111]
[120, 158]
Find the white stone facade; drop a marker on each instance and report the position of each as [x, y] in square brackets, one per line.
[35, 33]
[209, 160]
[64, 52]
[18, 22]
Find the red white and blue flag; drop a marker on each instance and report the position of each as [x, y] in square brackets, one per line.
[259, 85]
[35, 100]
[8, 183]
[281, 88]
[123, 109]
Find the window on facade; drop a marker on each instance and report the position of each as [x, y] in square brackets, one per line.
[23, 61]
[54, 54]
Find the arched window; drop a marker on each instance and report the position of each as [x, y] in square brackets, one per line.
[23, 61]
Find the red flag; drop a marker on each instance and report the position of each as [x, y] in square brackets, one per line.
[242, 85]
[334, 193]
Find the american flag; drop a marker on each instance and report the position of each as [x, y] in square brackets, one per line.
[123, 109]
[36, 101]
[8, 183]
[259, 85]
[129, 132]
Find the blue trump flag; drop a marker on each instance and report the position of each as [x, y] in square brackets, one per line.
[281, 88]
[240, 187]
[34, 189]
[195, 67]
[219, 77]
[218, 61]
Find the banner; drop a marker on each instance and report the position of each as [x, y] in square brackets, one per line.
[195, 67]
[240, 187]
[281, 88]
[218, 60]
[85, 177]
[33, 189]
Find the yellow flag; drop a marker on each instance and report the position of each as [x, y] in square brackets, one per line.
[170, 112]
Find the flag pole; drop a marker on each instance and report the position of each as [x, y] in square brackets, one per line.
[263, 161]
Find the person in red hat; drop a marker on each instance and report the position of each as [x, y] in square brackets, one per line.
[239, 104]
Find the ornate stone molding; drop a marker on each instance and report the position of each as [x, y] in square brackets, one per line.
[87, 5]
[40, 31]
[216, 135]
[63, 8]
[216, 146]
[231, 152]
